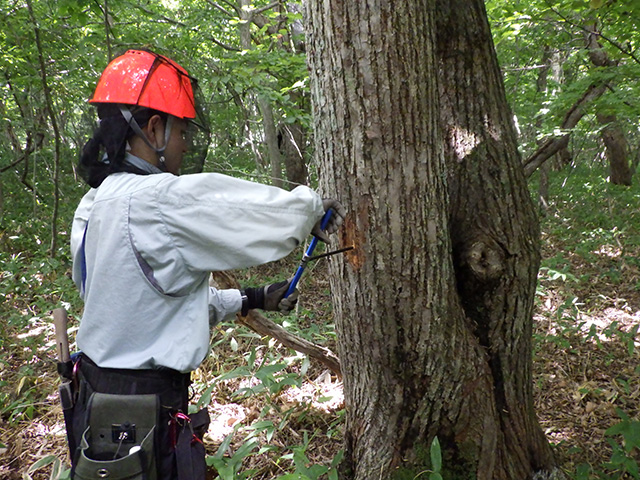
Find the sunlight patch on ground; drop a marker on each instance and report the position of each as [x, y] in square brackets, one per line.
[323, 394]
[609, 251]
[613, 322]
[610, 323]
[224, 418]
[33, 332]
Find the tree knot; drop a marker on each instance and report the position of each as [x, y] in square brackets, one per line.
[485, 262]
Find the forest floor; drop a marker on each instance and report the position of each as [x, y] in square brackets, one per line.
[274, 411]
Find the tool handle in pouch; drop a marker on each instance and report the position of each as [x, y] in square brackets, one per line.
[307, 254]
[62, 340]
[65, 388]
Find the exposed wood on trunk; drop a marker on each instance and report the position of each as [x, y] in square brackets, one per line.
[262, 325]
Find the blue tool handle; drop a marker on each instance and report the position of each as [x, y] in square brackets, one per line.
[307, 254]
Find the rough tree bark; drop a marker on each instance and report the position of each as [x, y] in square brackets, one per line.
[493, 228]
[433, 307]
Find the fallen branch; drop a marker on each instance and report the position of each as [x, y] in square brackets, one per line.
[262, 325]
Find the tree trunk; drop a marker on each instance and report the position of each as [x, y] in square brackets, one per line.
[271, 140]
[493, 227]
[56, 135]
[612, 134]
[542, 89]
[616, 149]
[433, 307]
[264, 105]
[291, 139]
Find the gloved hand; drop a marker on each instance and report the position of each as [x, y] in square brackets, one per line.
[270, 298]
[334, 222]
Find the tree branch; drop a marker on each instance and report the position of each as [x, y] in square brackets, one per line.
[553, 145]
[258, 11]
[225, 46]
[181, 24]
[56, 132]
[13, 164]
[159, 15]
[262, 325]
[221, 8]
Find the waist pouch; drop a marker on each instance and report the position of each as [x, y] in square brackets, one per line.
[187, 432]
[119, 442]
[175, 444]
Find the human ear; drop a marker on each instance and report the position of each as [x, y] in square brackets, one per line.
[155, 130]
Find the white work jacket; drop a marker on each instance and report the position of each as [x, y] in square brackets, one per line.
[143, 247]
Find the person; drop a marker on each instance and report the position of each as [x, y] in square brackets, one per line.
[144, 240]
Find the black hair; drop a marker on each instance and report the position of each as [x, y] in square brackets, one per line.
[111, 138]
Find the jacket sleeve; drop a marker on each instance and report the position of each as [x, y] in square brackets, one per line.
[223, 304]
[80, 220]
[218, 222]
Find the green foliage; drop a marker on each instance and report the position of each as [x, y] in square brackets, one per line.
[624, 440]
[595, 220]
[625, 452]
[58, 470]
[259, 375]
[547, 68]
[428, 464]
[436, 460]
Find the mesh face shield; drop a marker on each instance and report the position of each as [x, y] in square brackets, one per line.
[198, 135]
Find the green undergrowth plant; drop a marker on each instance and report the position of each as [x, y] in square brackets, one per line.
[32, 284]
[431, 463]
[624, 463]
[590, 257]
[279, 440]
[58, 471]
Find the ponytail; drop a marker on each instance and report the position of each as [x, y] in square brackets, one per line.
[91, 167]
[111, 138]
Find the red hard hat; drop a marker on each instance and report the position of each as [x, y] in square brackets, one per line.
[148, 80]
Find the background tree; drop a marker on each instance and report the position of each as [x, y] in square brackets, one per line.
[435, 303]
[565, 115]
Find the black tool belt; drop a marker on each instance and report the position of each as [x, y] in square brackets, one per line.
[131, 424]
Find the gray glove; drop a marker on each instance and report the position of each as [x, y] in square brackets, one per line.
[274, 300]
[269, 298]
[337, 218]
